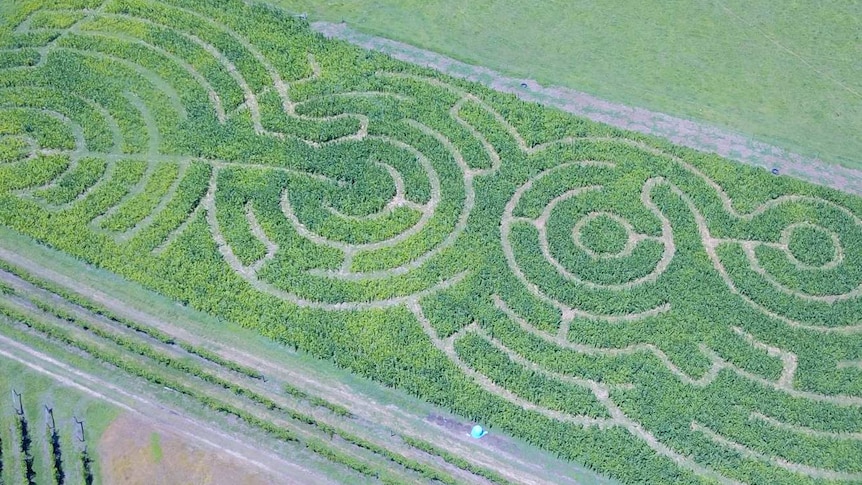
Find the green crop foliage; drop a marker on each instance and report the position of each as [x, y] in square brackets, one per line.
[604, 235]
[74, 182]
[812, 246]
[655, 313]
[12, 149]
[140, 205]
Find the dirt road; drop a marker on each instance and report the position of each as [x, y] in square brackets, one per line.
[247, 452]
[677, 130]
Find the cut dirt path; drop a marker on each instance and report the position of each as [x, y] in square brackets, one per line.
[502, 454]
[677, 130]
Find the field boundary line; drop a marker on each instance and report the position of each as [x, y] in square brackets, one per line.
[158, 412]
[680, 131]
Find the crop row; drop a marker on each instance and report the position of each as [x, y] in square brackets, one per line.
[95, 130]
[74, 98]
[31, 172]
[185, 367]
[22, 428]
[147, 372]
[317, 401]
[134, 347]
[125, 322]
[22, 455]
[314, 400]
[74, 182]
[140, 205]
[43, 127]
[13, 148]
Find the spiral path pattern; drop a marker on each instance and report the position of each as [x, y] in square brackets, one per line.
[622, 293]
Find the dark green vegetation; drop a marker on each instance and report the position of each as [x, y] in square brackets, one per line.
[25, 442]
[658, 314]
[784, 73]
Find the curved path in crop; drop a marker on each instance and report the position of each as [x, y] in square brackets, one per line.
[338, 190]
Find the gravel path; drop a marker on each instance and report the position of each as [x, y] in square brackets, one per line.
[677, 130]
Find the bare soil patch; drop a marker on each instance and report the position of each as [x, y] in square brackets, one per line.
[136, 451]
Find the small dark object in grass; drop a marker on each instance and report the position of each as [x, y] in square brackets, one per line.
[523, 85]
[774, 171]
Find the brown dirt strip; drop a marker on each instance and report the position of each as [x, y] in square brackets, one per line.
[677, 130]
[128, 456]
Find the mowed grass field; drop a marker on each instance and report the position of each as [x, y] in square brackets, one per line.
[786, 73]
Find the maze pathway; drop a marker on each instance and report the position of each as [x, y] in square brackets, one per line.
[655, 312]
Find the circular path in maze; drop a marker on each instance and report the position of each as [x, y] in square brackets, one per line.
[657, 313]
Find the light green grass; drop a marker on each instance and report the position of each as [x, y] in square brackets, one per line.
[786, 73]
[156, 447]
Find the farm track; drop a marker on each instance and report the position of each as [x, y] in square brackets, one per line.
[146, 399]
[370, 416]
[678, 130]
[305, 432]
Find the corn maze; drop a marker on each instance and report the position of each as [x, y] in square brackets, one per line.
[655, 313]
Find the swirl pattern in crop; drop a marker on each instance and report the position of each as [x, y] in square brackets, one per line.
[657, 313]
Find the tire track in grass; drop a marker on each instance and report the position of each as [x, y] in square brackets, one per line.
[677, 130]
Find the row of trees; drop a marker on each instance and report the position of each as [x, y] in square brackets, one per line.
[24, 443]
